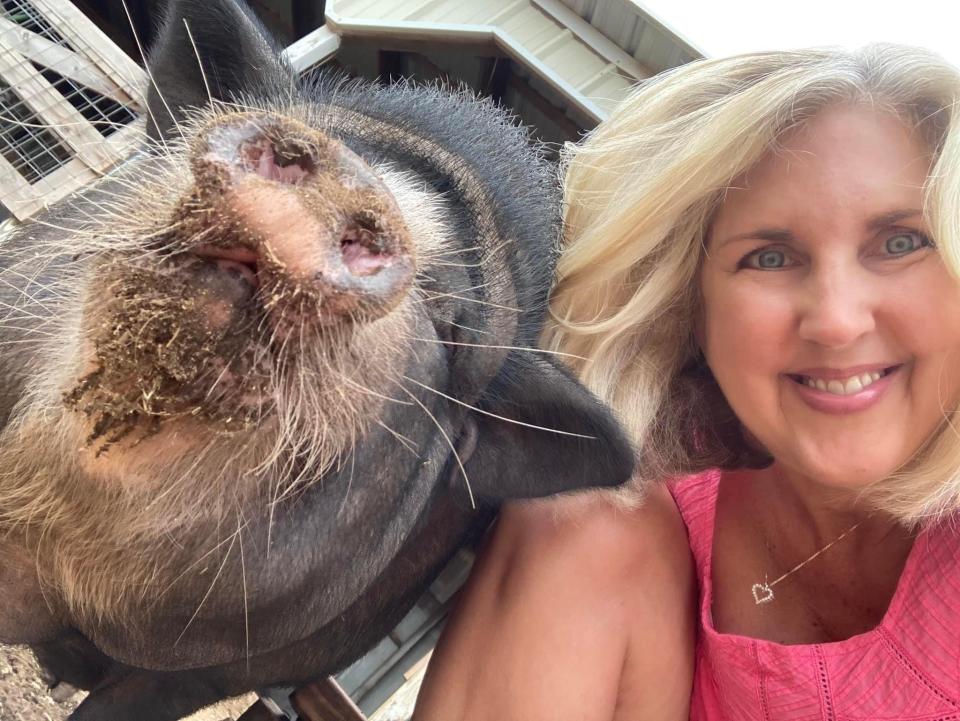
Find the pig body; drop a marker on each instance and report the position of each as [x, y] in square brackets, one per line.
[260, 384]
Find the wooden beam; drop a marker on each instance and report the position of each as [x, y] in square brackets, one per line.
[88, 39]
[61, 60]
[325, 701]
[24, 199]
[601, 44]
[18, 195]
[312, 49]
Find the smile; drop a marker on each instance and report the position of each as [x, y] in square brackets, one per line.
[845, 387]
[837, 392]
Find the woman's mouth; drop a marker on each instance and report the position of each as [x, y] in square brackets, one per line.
[831, 391]
[844, 387]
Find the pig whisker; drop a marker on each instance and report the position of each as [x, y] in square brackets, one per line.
[24, 341]
[235, 104]
[500, 347]
[35, 332]
[498, 417]
[147, 252]
[363, 389]
[216, 382]
[187, 473]
[301, 374]
[153, 81]
[458, 251]
[213, 583]
[206, 85]
[478, 331]
[446, 264]
[404, 441]
[450, 443]
[243, 582]
[75, 231]
[481, 286]
[21, 312]
[31, 281]
[424, 276]
[346, 493]
[194, 564]
[438, 296]
[106, 215]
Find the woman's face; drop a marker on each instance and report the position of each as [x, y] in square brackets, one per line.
[829, 321]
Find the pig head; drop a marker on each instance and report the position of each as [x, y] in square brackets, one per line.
[260, 383]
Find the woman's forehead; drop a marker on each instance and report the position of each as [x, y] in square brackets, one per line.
[849, 162]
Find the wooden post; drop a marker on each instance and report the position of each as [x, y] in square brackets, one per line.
[325, 701]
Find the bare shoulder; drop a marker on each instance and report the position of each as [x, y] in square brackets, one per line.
[558, 617]
[635, 564]
[598, 538]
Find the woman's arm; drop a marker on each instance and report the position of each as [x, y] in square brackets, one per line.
[576, 611]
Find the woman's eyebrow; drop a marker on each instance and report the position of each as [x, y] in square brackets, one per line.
[782, 235]
[884, 220]
[771, 235]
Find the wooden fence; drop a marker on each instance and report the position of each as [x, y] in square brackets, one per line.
[69, 103]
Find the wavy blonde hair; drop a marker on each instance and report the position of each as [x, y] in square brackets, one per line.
[639, 195]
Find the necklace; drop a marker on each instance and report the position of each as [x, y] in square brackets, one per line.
[763, 592]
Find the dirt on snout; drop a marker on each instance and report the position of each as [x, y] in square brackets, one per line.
[25, 697]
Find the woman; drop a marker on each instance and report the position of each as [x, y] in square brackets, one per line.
[761, 270]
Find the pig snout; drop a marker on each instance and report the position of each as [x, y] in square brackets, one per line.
[299, 216]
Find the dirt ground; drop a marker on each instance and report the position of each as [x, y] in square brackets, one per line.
[25, 697]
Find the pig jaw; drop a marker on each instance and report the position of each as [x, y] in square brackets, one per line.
[169, 364]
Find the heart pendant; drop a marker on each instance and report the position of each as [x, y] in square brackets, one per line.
[762, 593]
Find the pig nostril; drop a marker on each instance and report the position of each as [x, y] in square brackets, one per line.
[362, 252]
[285, 162]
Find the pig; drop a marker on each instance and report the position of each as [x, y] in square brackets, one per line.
[260, 383]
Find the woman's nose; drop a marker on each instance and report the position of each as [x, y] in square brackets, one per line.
[837, 308]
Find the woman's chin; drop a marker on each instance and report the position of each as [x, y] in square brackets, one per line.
[840, 475]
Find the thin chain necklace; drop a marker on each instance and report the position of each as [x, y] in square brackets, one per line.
[763, 592]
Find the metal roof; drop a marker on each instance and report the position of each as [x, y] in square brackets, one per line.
[589, 51]
[638, 31]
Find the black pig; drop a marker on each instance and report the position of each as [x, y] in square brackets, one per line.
[260, 383]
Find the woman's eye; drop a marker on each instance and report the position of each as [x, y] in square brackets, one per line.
[769, 259]
[903, 243]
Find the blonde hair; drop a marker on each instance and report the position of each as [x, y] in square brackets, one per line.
[639, 194]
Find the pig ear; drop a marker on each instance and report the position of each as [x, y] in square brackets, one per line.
[517, 461]
[235, 51]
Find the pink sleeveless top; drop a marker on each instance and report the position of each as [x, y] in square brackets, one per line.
[908, 667]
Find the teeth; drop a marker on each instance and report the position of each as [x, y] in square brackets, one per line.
[855, 384]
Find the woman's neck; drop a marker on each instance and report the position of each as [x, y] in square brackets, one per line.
[790, 498]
